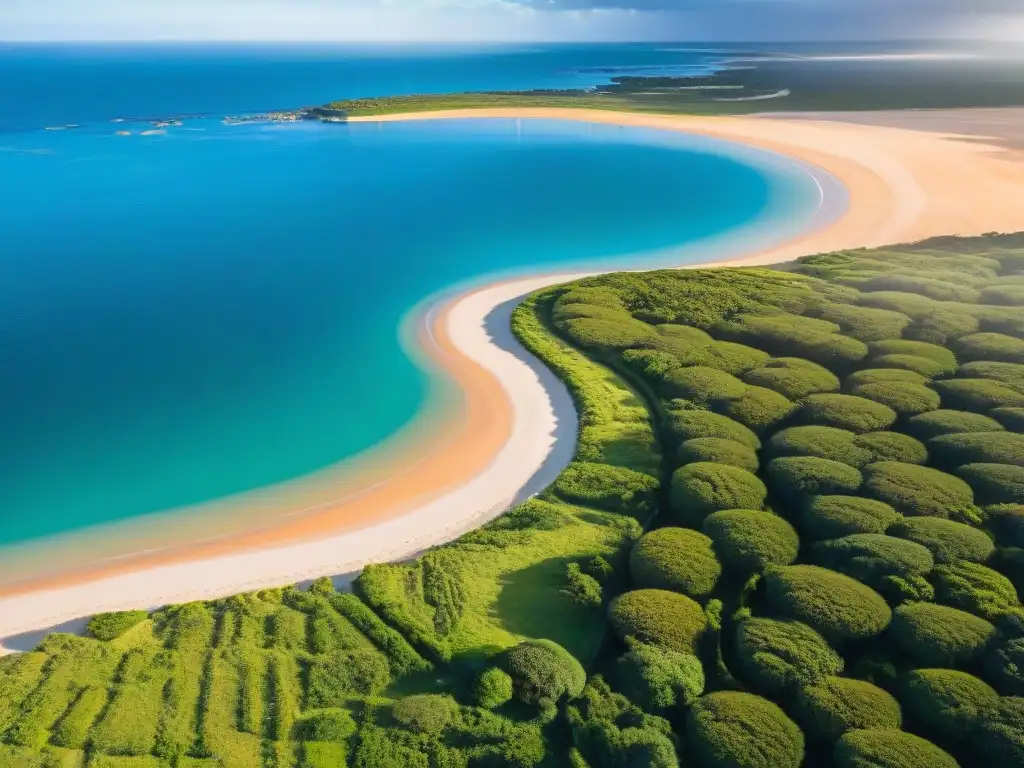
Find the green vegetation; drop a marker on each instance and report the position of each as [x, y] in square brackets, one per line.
[676, 559]
[802, 484]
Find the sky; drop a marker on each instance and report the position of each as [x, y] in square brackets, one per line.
[512, 20]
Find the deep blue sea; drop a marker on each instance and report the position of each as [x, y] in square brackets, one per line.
[217, 308]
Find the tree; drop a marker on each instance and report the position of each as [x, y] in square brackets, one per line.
[658, 679]
[493, 688]
[543, 672]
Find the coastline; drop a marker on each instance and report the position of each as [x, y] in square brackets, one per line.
[515, 429]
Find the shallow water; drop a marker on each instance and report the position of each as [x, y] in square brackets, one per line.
[211, 310]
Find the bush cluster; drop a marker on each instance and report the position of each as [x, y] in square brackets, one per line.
[832, 706]
[994, 484]
[704, 487]
[730, 728]
[915, 490]
[1010, 417]
[904, 398]
[978, 395]
[718, 450]
[110, 626]
[750, 541]
[934, 352]
[690, 424]
[948, 422]
[658, 679]
[947, 540]
[893, 446]
[676, 559]
[543, 672]
[835, 605]
[947, 702]
[975, 588]
[832, 517]
[777, 656]
[603, 486]
[658, 617]
[977, 448]
[940, 636]
[1006, 523]
[888, 748]
[1004, 667]
[989, 346]
[793, 377]
[856, 414]
[874, 559]
[794, 477]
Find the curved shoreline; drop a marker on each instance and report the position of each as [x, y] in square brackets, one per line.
[509, 440]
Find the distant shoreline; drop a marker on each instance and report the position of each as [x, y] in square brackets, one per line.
[504, 444]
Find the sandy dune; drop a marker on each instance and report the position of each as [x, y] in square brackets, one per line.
[513, 427]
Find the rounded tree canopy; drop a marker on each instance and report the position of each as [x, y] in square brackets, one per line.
[1008, 373]
[946, 422]
[915, 490]
[978, 395]
[704, 487]
[834, 705]
[820, 442]
[888, 748]
[749, 541]
[994, 484]
[857, 414]
[832, 517]
[425, 713]
[793, 377]
[719, 450]
[919, 365]
[775, 656]
[989, 346]
[865, 323]
[906, 399]
[759, 408]
[701, 384]
[976, 589]
[946, 701]
[687, 425]
[493, 688]
[978, 448]
[893, 446]
[796, 476]
[873, 557]
[730, 728]
[543, 671]
[676, 559]
[659, 678]
[883, 376]
[658, 617]
[940, 636]
[835, 605]
[948, 541]
[933, 352]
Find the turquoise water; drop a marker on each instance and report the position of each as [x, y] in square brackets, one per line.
[216, 309]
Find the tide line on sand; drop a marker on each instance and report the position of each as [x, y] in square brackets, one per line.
[901, 184]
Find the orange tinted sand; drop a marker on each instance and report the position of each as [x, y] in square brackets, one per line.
[903, 185]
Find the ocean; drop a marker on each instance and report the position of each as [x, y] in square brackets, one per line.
[215, 308]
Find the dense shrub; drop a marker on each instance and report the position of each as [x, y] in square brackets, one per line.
[978, 395]
[1011, 418]
[676, 559]
[909, 304]
[977, 448]
[856, 414]
[774, 656]
[582, 588]
[883, 376]
[795, 476]
[888, 748]
[333, 676]
[1008, 295]
[702, 488]
[749, 541]
[947, 422]
[493, 688]
[730, 728]
[994, 483]
[865, 323]
[835, 605]
[426, 713]
[946, 701]
[1009, 561]
[687, 425]
[915, 490]
[759, 408]
[893, 446]
[933, 352]
[109, 626]
[1008, 373]
[1004, 667]
[989, 346]
[793, 377]
[1006, 523]
[718, 450]
[702, 385]
[604, 486]
[874, 559]
[976, 589]
[607, 334]
[659, 678]
[904, 398]
[999, 737]
[922, 366]
[948, 541]
[326, 725]
[786, 335]
[939, 290]
[822, 442]
[658, 617]
[543, 671]
[832, 706]
[940, 636]
[831, 517]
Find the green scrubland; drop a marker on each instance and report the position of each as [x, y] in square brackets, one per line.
[792, 534]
